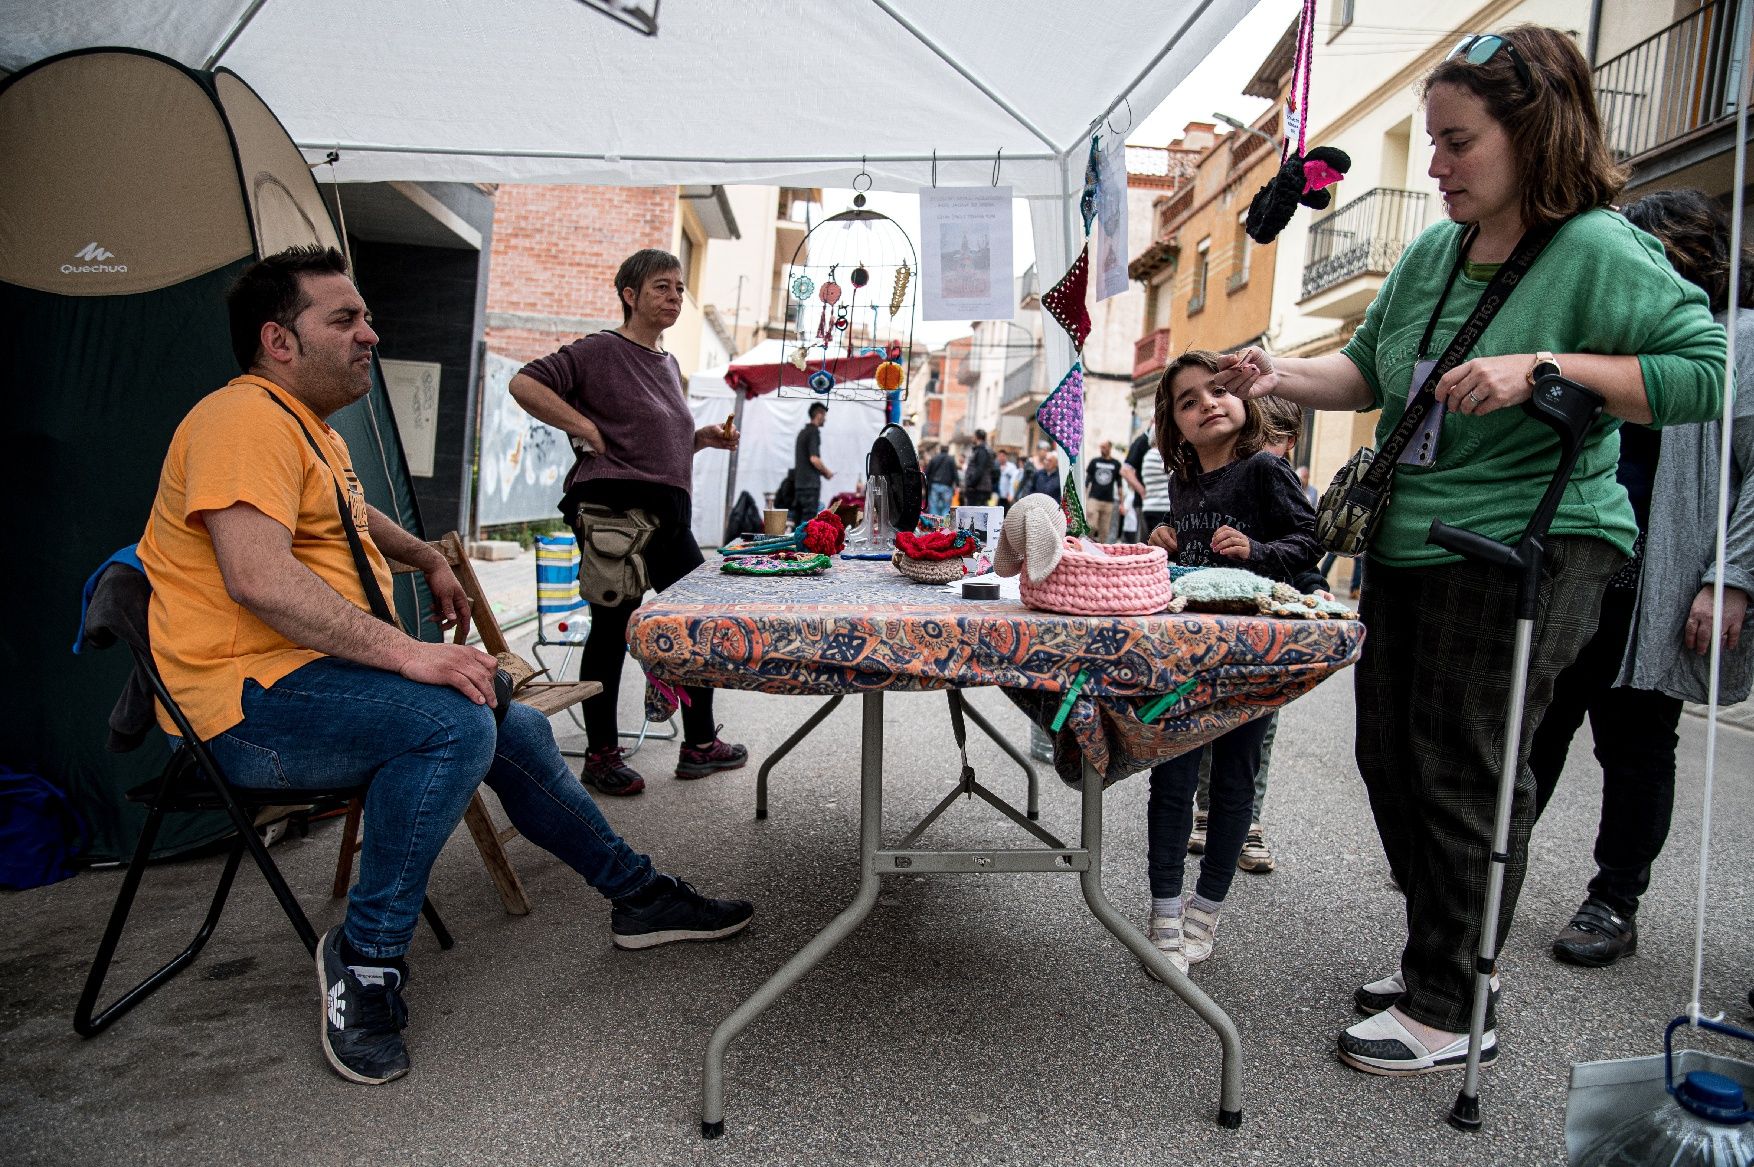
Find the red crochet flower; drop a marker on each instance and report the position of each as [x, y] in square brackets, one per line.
[825, 534]
[936, 544]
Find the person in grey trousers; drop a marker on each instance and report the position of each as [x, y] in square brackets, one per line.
[1651, 650]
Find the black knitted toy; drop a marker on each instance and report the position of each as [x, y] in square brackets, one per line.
[1301, 179]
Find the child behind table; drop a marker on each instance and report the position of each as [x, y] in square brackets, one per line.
[1235, 503]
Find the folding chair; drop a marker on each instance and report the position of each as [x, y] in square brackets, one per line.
[192, 781]
[557, 597]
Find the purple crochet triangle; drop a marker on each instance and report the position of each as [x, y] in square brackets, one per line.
[1061, 416]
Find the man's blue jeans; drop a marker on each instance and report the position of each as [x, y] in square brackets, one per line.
[424, 749]
[938, 498]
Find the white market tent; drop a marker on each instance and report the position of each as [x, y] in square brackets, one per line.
[770, 426]
[778, 92]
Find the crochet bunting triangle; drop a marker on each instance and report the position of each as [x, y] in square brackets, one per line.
[1065, 301]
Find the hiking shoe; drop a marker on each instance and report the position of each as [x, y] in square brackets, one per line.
[1256, 855]
[1199, 931]
[1376, 996]
[1382, 1045]
[716, 755]
[667, 910]
[1596, 937]
[605, 771]
[1197, 837]
[363, 1016]
[1165, 934]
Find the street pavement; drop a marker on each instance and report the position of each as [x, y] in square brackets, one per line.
[969, 1021]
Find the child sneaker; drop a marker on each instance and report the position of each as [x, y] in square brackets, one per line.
[1256, 855]
[1197, 837]
[667, 910]
[1165, 934]
[716, 755]
[363, 1016]
[605, 771]
[1199, 931]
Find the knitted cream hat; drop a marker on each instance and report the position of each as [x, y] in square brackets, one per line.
[1033, 537]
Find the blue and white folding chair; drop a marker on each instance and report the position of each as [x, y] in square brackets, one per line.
[558, 604]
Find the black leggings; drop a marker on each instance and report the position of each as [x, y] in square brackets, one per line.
[604, 654]
[671, 554]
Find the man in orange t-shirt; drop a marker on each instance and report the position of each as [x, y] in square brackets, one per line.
[262, 624]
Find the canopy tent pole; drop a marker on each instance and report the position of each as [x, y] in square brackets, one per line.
[968, 76]
[1127, 92]
[600, 156]
[231, 37]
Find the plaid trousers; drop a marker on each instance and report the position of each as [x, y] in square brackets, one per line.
[1432, 688]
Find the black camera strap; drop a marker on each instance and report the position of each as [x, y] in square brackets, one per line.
[1505, 281]
[368, 579]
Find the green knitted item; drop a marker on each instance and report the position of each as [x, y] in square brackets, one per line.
[1071, 504]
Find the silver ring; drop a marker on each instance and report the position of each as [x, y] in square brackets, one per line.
[1474, 396]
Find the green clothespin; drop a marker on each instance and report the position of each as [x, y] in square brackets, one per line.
[1078, 683]
[1161, 706]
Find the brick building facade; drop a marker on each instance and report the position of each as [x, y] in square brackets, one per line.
[555, 253]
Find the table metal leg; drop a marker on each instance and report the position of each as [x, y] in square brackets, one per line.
[712, 1102]
[1016, 755]
[786, 747]
[1090, 880]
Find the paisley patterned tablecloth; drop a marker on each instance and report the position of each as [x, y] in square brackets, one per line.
[863, 626]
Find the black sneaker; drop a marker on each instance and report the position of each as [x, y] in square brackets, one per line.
[605, 771]
[667, 910]
[363, 1016]
[1596, 937]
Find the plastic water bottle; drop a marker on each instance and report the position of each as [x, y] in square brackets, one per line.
[1704, 1124]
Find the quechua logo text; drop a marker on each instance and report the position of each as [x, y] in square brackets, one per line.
[95, 260]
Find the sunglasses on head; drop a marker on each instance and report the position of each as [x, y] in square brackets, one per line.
[1483, 46]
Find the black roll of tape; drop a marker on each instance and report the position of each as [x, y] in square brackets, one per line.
[979, 590]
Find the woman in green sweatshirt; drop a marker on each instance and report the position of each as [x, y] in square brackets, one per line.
[1517, 146]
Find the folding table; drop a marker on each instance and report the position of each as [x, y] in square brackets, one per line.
[863, 628]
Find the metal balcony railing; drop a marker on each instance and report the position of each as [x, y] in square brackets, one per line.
[1150, 353]
[1364, 237]
[1673, 83]
[1020, 382]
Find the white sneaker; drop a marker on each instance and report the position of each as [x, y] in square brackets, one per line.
[1256, 854]
[1165, 934]
[1199, 932]
[1382, 1045]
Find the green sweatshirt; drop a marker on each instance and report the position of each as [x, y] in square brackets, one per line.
[1601, 286]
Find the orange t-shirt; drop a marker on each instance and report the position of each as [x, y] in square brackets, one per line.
[236, 446]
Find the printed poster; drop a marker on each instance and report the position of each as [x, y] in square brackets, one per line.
[413, 387]
[523, 462]
[965, 253]
[1111, 217]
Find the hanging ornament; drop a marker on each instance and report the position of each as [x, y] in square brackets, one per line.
[902, 276]
[1065, 300]
[802, 287]
[860, 276]
[822, 380]
[829, 292]
[1061, 416]
[840, 319]
[825, 326]
[1302, 178]
[800, 359]
[1070, 504]
[889, 376]
[893, 352]
[1087, 201]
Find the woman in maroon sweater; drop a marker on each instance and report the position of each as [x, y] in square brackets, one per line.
[618, 394]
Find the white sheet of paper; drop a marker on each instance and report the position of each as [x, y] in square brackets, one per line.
[1111, 217]
[413, 387]
[965, 253]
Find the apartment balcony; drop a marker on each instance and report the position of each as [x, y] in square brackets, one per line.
[1351, 250]
[1669, 101]
[1022, 383]
[1150, 353]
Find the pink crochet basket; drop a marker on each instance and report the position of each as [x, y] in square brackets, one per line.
[1128, 579]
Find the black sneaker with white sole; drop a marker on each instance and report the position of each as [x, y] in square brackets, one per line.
[667, 910]
[363, 1016]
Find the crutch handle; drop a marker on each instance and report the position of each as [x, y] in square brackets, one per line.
[1472, 545]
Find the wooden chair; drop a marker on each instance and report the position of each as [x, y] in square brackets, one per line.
[546, 697]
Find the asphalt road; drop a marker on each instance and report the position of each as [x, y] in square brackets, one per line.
[970, 1021]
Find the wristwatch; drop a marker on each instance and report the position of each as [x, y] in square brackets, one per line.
[1546, 365]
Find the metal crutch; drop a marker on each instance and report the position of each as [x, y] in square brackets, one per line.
[1569, 409]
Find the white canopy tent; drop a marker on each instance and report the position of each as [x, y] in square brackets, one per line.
[770, 427]
[787, 92]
